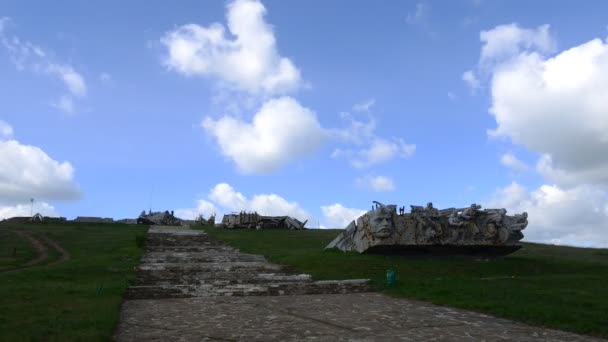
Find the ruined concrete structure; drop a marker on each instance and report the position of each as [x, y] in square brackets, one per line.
[165, 218]
[429, 230]
[244, 220]
[201, 221]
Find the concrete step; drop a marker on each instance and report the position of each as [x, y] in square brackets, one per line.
[272, 289]
[198, 278]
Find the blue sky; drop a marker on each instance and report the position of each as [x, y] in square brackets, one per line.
[307, 110]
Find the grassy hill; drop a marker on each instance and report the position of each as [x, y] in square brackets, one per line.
[559, 287]
[75, 291]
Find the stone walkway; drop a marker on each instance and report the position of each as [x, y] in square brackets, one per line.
[191, 287]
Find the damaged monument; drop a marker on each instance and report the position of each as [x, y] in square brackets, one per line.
[165, 218]
[463, 231]
[253, 220]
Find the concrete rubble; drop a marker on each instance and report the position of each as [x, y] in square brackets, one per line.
[253, 220]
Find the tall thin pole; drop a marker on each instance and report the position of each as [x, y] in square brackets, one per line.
[31, 207]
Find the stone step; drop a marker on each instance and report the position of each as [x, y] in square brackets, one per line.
[199, 257]
[220, 278]
[193, 248]
[273, 289]
[232, 266]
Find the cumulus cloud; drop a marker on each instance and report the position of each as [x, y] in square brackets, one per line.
[511, 161]
[420, 16]
[281, 131]
[6, 130]
[376, 183]
[379, 151]
[265, 204]
[505, 41]
[575, 216]
[27, 171]
[203, 207]
[364, 106]
[366, 148]
[31, 57]
[471, 80]
[556, 106]
[247, 58]
[338, 216]
[553, 103]
[26, 209]
[223, 198]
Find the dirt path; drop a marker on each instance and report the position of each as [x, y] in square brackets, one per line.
[64, 255]
[43, 252]
[41, 249]
[194, 288]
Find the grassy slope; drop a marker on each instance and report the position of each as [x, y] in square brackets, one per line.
[559, 287]
[9, 243]
[75, 300]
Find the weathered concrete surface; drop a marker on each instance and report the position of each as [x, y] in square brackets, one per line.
[338, 317]
[229, 297]
[181, 263]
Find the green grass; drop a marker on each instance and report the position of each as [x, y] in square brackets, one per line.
[78, 300]
[558, 287]
[14, 250]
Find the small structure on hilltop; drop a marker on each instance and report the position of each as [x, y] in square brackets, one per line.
[429, 230]
[200, 220]
[36, 218]
[165, 218]
[253, 220]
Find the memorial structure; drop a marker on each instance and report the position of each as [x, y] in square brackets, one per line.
[464, 231]
[253, 220]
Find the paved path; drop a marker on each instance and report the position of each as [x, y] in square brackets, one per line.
[211, 292]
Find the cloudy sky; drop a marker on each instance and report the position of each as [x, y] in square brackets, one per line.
[309, 110]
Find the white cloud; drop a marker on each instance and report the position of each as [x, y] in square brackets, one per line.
[43, 208]
[6, 130]
[510, 160]
[557, 108]
[505, 41]
[554, 105]
[338, 216]
[27, 171]
[364, 106]
[357, 132]
[420, 16]
[281, 131]
[248, 61]
[575, 216]
[452, 96]
[371, 149]
[73, 80]
[28, 56]
[3, 23]
[381, 151]
[203, 207]
[65, 104]
[224, 198]
[376, 183]
[471, 80]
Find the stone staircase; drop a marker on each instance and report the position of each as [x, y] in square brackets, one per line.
[181, 263]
